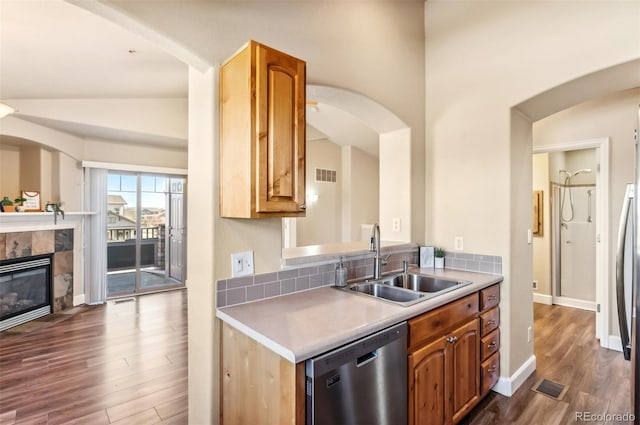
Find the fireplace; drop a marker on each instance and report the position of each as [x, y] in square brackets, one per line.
[25, 289]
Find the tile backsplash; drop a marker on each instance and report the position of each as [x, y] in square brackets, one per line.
[239, 290]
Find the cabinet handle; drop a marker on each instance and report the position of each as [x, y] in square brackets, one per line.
[492, 345]
[492, 297]
[302, 206]
[492, 369]
[490, 322]
[452, 339]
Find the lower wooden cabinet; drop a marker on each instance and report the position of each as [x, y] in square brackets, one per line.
[454, 358]
[444, 377]
[429, 381]
[466, 369]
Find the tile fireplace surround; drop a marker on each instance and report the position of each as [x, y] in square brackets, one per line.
[58, 242]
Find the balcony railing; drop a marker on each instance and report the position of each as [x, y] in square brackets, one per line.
[127, 233]
[121, 248]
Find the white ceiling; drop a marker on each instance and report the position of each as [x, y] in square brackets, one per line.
[52, 49]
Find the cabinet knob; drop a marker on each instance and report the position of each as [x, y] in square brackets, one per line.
[492, 345]
[452, 339]
[302, 206]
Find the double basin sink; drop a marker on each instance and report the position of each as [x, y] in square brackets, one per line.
[406, 288]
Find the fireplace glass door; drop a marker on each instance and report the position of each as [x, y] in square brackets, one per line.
[25, 290]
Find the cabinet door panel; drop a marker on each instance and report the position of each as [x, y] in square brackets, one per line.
[281, 116]
[466, 369]
[280, 150]
[429, 371]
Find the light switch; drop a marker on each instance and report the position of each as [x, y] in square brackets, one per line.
[458, 243]
[242, 263]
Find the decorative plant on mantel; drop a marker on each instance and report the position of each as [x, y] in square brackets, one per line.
[7, 205]
[18, 202]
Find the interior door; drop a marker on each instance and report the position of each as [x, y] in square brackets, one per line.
[176, 232]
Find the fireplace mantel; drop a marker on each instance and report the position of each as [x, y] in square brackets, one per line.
[30, 221]
[19, 225]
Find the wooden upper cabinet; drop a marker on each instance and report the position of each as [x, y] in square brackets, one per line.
[262, 134]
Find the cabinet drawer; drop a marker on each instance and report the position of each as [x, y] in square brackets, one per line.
[489, 297]
[435, 323]
[490, 344]
[489, 320]
[490, 371]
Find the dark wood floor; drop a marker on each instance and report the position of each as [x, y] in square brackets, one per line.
[126, 363]
[567, 353]
[123, 363]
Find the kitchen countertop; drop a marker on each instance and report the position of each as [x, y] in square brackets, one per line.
[303, 324]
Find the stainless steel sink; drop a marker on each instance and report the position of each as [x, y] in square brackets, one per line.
[406, 288]
[394, 294]
[422, 283]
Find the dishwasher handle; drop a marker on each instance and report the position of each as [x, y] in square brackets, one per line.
[366, 358]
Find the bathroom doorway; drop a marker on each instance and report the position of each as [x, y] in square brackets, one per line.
[570, 261]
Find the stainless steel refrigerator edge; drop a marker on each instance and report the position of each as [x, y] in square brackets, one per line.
[627, 276]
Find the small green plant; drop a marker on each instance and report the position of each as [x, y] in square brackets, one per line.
[6, 201]
[19, 201]
[439, 252]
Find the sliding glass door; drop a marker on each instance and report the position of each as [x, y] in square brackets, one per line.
[145, 233]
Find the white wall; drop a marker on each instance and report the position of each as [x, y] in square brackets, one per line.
[395, 192]
[322, 222]
[10, 166]
[364, 188]
[542, 243]
[483, 58]
[124, 153]
[204, 346]
[613, 116]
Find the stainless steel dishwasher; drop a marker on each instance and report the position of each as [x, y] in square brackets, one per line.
[361, 383]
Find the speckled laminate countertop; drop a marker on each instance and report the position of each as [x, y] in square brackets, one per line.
[304, 324]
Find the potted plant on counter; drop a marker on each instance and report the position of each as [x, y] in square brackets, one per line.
[7, 205]
[439, 260]
[18, 204]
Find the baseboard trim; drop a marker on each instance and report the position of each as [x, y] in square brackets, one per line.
[572, 302]
[509, 385]
[542, 298]
[78, 299]
[615, 343]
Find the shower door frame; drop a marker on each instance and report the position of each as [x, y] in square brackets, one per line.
[603, 264]
[556, 252]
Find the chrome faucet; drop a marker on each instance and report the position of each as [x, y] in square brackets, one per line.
[374, 246]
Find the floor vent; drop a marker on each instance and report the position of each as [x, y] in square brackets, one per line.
[124, 300]
[550, 389]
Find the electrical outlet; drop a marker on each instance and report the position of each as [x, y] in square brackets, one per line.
[458, 243]
[530, 334]
[242, 263]
[535, 285]
[395, 224]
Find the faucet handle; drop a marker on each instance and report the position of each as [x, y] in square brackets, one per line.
[405, 266]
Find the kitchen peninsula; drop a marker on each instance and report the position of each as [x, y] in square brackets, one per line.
[265, 344]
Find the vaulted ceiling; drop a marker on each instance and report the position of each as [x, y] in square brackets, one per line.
[52, 50]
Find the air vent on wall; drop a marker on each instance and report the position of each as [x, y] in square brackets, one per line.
[324, 175]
